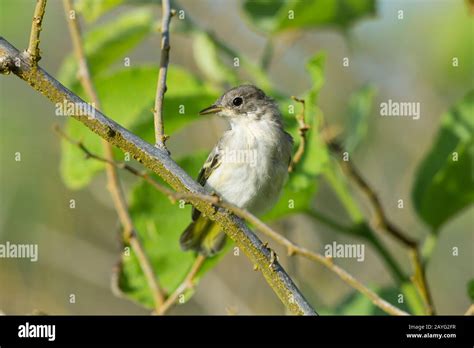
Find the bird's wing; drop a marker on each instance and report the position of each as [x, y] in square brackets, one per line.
[213, 161]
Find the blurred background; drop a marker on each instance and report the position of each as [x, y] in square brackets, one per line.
[407, 60]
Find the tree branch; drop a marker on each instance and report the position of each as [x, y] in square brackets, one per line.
[381, 221]
[159, 161]
[115, 189]
[249, 217]
[160, 137]
[33, 46]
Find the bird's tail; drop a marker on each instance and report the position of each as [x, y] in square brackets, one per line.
[204, 236]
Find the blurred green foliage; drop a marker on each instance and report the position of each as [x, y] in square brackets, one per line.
[109, 42]
[114, 90]
[356, 303]
[302, 184]
[442, 188]
[444, 183]
[360, 108]
[93, 9]
[280, 15]
[206, 55]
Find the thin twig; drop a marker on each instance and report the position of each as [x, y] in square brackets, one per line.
[303, 127]
[187, 284]
[129, 233]
[33, 46]
[381, 221]
[160, 137]
[259, 225]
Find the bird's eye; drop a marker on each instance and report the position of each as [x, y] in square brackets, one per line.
[237, 101]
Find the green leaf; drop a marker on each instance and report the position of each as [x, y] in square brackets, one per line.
[186, 95]
[206, 56]
[315, 67]
[316, 154]
[412, 298]
[263, 14]
[127, 96]
[123, 95]
[444, 183]
[280, 15]
[160, 224]
[356, 304]
[108, 43]
[93, 9]
[302, 184]
[360, 108]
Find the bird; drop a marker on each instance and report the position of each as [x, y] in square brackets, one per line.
[248, 167]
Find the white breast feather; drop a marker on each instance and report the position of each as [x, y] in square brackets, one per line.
[254, 185]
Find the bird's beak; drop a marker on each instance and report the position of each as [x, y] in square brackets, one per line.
[210, 110]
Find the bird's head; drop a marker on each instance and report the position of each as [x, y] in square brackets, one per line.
[244, 103]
